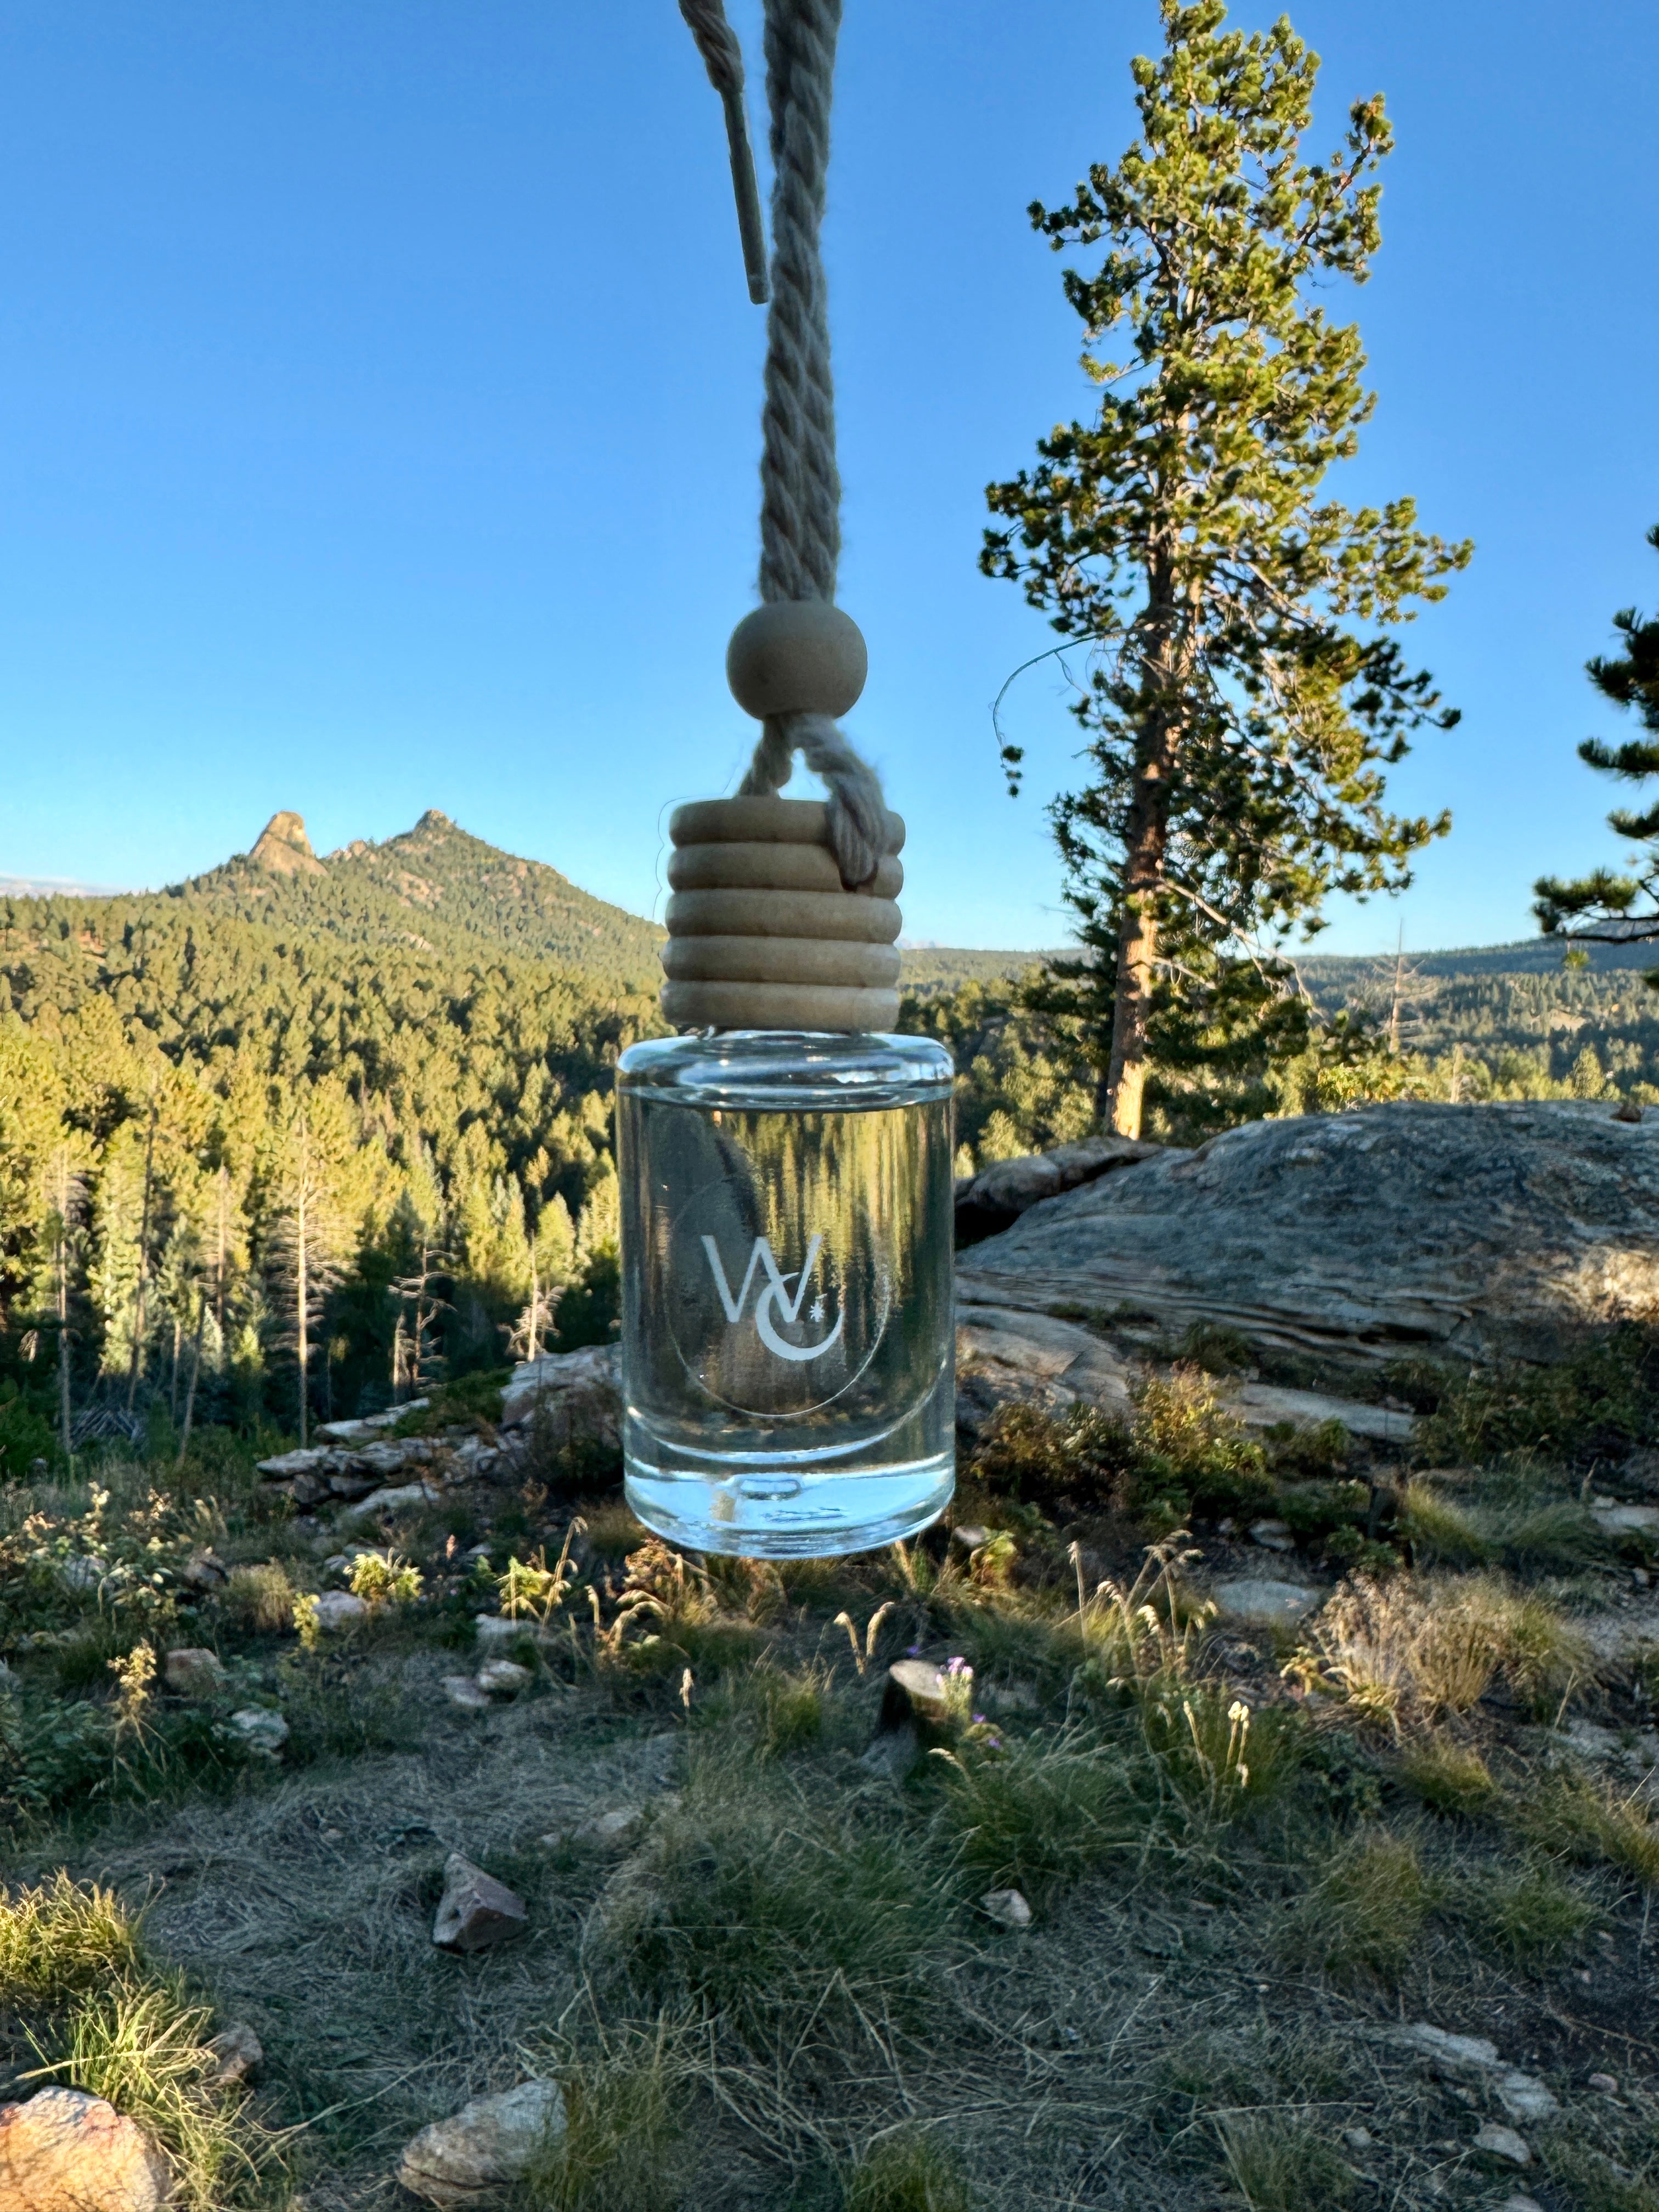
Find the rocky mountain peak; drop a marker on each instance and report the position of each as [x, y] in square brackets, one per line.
[283, 846]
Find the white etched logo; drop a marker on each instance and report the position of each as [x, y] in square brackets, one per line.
[774, 1301]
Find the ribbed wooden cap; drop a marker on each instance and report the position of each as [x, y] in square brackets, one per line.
[762, 933]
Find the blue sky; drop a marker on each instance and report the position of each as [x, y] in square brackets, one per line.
[379, 398]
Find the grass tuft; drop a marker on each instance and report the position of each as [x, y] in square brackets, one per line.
[907, 2174]
[1529, 1913]
[1449, 1777]
[1365, 1917]
[620, 2151]
[1278, 2165]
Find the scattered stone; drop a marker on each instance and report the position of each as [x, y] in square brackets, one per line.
[1471, 2058]
[205, 1570]
[1036, 1358]
[475, 1909]
[1605, 2083]
[495, 1630]
[261, 1730]
[615, 1831]
[1502, 2143]
[79, 1573]
[503, 1678]
[1260, 1604]
[569, 1397]
[193, 1672]
[370, 1425]
[1263, 1406]
[994, 1198]
[1519, 2204]
[1358, 2138]
[403, 1498]
[1007, 1907]
[287, 1464]
[340, 1609]
[461, 1690]
[64, 2151]
[486, 2147]
[915, 1691]
[239, 2053]
[1273, 1535]
[1624, 1520]
[971, 1537]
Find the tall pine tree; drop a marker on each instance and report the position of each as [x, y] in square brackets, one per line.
[1606, 908]
[1243, 695]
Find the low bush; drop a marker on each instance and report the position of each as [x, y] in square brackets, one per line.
[1448, 1778]
[1278, 2164]
[1527, 1914]
[907, 2174]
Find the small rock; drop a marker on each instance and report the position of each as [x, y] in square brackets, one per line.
[205, 1570]
[1522, 2096]
[915, 1691]
[1627, 1111]
[971, 1537]
[614, 1830]
[1502, 2143]
[193, 1672]
[261, 1730]
[64, 2151]
[461, 1690]
[1519, 2204]
[401, 1499]
[1273, 1535]
[503, 1678]
[287, 1464]
[239, 2053]
[1358, 2138]
[1007, 1907]
[475, 1909]
[1625, 1520]
[1260, 1603]
[894, 1752]
[340, 1609]
[79, 1573]
[486, 2147]
[495, 1630]
[1605, 2083]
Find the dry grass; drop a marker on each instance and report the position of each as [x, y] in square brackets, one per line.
[1410, 1652]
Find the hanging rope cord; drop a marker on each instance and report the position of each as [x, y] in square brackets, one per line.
[801, 483]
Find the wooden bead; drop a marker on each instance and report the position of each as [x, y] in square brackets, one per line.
[797, 657]
[772, 867]
[832, 915]
[781, 960]
[763, 821]
[777, 1007]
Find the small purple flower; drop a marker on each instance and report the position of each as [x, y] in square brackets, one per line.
[913, 1650]
[979, 1720]
[959, 1666]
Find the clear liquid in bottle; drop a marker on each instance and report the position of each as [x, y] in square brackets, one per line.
[788, 1332]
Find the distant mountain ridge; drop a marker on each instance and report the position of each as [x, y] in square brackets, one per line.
[434, 886]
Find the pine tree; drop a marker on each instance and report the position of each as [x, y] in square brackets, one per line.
[1243, 695]
[1605, 907]
[308, 1245]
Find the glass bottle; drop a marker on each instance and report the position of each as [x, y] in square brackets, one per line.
[787, 1330]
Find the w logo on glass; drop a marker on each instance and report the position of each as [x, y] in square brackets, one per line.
[774, 1301]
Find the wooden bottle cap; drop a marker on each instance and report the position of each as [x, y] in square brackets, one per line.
[762, 935]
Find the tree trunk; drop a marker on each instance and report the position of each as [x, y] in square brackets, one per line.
[143, 1267]
[1145, 837]
[64, 1342]
[301, 1299]
[195, 1375]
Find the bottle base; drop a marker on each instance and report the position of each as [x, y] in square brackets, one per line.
[784, 1515]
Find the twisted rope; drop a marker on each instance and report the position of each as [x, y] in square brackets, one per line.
[801, 483]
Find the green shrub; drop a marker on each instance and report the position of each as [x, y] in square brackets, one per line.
[1045, 1811]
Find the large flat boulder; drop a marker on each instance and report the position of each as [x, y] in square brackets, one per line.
[1457, 1232]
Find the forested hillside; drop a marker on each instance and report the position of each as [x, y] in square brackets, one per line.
[393, 1066]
